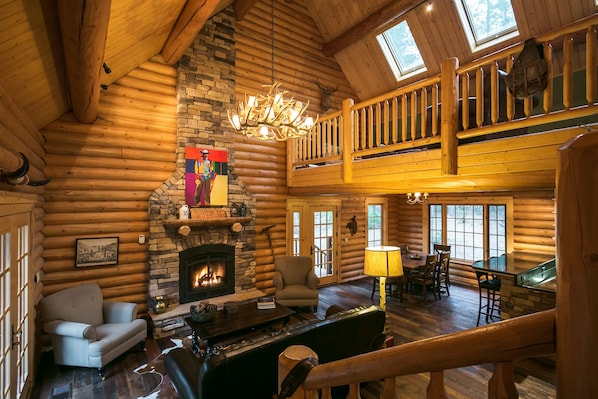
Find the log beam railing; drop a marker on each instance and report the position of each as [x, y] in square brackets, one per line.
[411, 118]
[500, 343]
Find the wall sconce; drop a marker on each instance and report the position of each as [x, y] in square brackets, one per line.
[352, 225]
[416, 198]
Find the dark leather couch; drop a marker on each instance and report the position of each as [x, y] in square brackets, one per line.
[249, 368]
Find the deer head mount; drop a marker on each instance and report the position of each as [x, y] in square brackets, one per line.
[19, 175]
[325, 93]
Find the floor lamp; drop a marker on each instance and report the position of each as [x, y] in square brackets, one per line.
[383, 262]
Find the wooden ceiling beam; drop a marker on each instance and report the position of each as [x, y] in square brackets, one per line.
[84, 26]
[242, 7]
[192, 18]
[373, 22]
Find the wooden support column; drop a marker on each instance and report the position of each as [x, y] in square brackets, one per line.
[84, 26]
[287, 360]
[190, 21]
[577, 268]
[502, 383]
[347, 140]
[449, 83]
[435, 388]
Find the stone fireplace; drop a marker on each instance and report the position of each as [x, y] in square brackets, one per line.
[205, 90]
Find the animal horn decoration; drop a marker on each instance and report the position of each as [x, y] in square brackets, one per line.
[19, 175]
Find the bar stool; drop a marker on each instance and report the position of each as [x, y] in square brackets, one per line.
[489, 290]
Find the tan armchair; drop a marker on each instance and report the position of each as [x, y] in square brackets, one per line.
[87, 331]
[295, 281]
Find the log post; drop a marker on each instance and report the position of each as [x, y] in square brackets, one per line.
[287, 360]
[449, 116]
[347, 132]
[84, 27]
[502, 383]
[577, 268]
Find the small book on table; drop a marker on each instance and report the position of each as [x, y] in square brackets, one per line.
[266, 302]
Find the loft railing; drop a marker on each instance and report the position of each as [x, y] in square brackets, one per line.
[475, 104]
[569, 330]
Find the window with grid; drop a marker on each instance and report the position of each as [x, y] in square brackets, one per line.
[375, 225]
[474, 231]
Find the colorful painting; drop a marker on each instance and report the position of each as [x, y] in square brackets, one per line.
[206, 180]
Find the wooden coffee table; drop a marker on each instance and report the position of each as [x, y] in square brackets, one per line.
[244, 319]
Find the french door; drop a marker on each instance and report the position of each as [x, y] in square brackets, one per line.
[312, 230]
[15, 309]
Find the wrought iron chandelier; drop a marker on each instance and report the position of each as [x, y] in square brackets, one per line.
[416, 198]
[270, 116]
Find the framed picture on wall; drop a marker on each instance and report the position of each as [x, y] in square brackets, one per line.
[206, 177]
[96, 251]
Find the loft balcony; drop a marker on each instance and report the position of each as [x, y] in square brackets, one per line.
[463, 130]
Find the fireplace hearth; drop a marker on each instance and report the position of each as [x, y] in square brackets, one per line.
[206, 271]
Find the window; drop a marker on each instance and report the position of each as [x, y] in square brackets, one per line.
[487, 22]
[474, 231]
[401, 52]
[374, 225]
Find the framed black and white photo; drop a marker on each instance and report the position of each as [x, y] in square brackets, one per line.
[96, 251]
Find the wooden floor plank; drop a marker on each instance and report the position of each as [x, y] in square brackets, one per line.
[140, 374]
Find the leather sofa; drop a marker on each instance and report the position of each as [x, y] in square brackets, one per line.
[249, 368]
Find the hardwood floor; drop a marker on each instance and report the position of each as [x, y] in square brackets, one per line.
[139, 374]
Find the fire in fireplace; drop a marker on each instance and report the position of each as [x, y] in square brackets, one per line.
[206, 271]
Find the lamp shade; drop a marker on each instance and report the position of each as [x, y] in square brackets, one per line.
[384, 261]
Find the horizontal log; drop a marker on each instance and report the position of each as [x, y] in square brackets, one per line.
[108, 174]
[157, 64]
[94, 217]
[154, 77]
[94, 229]
[109, 281]
[533, 232]
[142, 95]
[109, 163]
[133, 185]
[97, 195]
[130, 131]
[147, 86]
[98, 141]
[137, 106]
[115, 152]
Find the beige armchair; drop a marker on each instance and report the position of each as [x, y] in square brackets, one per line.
[295, 281]
[87, 331]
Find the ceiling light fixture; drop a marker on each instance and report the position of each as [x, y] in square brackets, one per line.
[416, 198]
[270, 116]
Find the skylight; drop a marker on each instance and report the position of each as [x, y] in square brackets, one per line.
[487, 22]
[401, 52]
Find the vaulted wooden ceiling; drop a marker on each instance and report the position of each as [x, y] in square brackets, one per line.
[123, 34]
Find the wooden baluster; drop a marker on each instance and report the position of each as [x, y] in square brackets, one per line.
[567, 71]
[354, 391]
[547, 95]
[494, 93]
[435, 131]
[510, 103]
[590, 62]
[379, 131]
[479, 96]
[326, 393]
[389, 389]
[465, 99]
[502, 383]
[435, 388]
[424, 113]
[395, 119]
[404, 116]
[413, 111]
[386, 122]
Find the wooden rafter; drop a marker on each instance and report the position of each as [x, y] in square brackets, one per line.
[242, 7]
[190, 21]
[84, 26]
[375, 21]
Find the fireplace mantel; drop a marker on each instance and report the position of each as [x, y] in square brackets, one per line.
[212, 222]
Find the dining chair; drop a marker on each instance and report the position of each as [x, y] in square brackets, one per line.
[443, 273]
[427, 277]
[440, 249]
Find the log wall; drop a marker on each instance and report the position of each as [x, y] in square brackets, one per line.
[102, 176]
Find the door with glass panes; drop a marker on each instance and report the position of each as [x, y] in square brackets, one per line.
[15, 309]
[314, 233]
